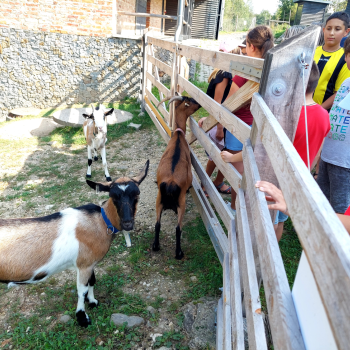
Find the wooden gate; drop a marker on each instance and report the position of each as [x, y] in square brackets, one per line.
[250, 253]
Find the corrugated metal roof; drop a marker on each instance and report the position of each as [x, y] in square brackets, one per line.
[205, 19]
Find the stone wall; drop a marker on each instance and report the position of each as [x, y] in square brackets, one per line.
[42, 69]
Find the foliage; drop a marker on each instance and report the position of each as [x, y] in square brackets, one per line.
[338, 5]
[262, 17]
[279, 30]
[238, 10]
[284, 7]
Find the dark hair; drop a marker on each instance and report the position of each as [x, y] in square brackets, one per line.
[343, 16]
[347, 46]
[262, 38]
[313, 79]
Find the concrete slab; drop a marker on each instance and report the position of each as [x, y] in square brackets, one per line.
[74, 117]
[25, 111]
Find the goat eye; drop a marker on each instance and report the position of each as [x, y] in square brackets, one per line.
[186, 104]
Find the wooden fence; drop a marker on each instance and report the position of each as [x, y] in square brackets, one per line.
[250, 252]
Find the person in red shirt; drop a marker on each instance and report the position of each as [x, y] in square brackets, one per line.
[318, 128]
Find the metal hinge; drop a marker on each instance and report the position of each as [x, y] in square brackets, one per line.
[245, 69]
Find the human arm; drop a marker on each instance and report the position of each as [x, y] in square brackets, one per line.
[316, 159]
[231, 158]
[329, 102]
[276, 195]
[234, 88]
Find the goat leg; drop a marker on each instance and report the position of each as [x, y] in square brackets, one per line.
[88, 173]
[159, 209]
[180, 214]
[83, 276]
[104, 163]
[90, 298]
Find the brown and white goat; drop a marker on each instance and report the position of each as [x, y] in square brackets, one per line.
[32, 249]
[174, 175]
[95, 131]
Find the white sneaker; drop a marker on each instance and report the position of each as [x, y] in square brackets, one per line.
[233, 211]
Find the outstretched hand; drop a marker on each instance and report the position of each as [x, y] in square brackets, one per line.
[201, 121]
[273, 195]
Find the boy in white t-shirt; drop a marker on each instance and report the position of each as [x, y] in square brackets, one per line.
[334, 170]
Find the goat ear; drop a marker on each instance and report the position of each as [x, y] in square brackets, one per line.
[141, 176]
[109, 112]
[87, 116]
[102, 187]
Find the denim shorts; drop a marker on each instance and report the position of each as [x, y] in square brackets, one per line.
[334, 182]
[232, 143]
[280, 217]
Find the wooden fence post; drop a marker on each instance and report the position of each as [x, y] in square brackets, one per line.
[144, 68]
[283, 91]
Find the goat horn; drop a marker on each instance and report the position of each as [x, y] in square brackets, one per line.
[176, 98]
[163, 100]
[92, 106]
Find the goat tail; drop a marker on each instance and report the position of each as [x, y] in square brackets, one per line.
[171, 189]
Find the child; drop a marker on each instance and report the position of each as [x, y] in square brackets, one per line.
[330, 59]
[218, 89]
[318, 128]
[259, 40]
[334, 171]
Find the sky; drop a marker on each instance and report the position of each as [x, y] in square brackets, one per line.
[270, 5]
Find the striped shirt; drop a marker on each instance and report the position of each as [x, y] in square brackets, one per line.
[333, 72]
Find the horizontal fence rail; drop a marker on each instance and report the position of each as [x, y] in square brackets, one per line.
[250, 251]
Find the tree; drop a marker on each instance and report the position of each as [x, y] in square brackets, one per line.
[237, 9]
[263, 17]
[338, 5]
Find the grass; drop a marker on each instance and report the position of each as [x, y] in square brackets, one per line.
[201, 85]
[291, 250]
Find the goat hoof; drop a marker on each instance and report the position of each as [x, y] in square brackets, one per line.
[108, 178]
[155, 247]
[83, 319]
[93, 305]
[180, 255]
[88, 176]
[95, 158]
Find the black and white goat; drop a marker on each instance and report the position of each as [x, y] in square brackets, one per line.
[32, 249]
[95, 131]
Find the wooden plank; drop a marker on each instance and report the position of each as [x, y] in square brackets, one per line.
[161, 65]
[156, 102]
[220, 326]
[227, 303]
[282, 88]
[323, 237]
[141, 14]
[283, 319]
[208, 124]
[219, 204]
[159, 117]
[156, 74]
[229, 171]
[159, 85]
[144, 69]
[165, 44]
[217, 59]
[235, 289]
[159, 126]
[239, 99]
[233, 124]
[255, 323]
[212, 224]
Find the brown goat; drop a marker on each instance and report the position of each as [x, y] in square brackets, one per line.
[174, 175]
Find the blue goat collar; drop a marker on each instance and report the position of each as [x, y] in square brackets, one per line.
[108, 223]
